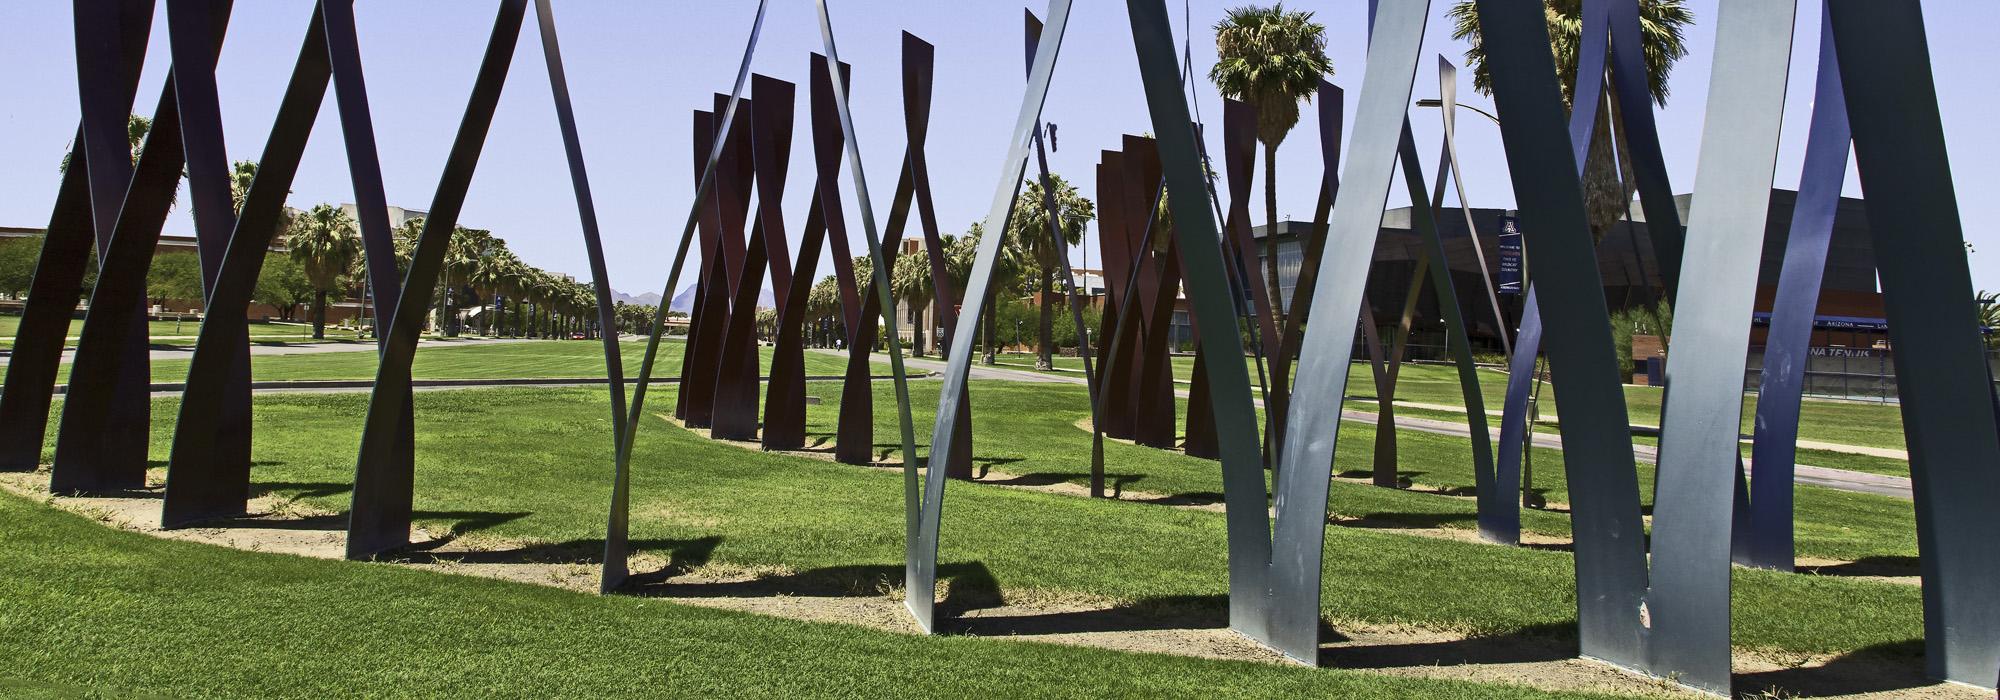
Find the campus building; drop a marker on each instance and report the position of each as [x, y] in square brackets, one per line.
[1850, 307]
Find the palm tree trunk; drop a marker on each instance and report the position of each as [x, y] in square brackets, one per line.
[319, 315]
[1045, 324]
[916, 329]
[1271, 233]
[1604, 196]
[992, 323]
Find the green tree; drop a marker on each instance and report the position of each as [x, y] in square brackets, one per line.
[326, 245]
[282, 285]
[1273, 59]
[823, 303]
[960, 255]
[1030, 230]
[17, 264]
[1662, 24]
[174, 276]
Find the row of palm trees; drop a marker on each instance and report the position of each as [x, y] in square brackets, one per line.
[478, 270]
[1027, 265]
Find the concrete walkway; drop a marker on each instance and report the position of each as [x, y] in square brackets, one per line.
[1841, 479]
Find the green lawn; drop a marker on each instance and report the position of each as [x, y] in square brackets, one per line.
[448, 359]
[181, 332]
[1843, 422]
[93, 612]
[532, 465]
[1039, 442]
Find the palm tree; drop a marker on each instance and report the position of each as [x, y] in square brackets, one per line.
[406, 244]
[1273, 59]
[509, 287]
[1029, 229]
[488, 273]
[1661, 24]
[823, 302]
[326, 244]
[960, 254]
[910, 281]
[462, 253]
[241, 174]
[1989, 315]
[136, 128]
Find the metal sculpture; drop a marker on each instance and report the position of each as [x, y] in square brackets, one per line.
[618, 523]
[1433, 266]
[923, 509]
[1126, 232]
[1305, 463]
[1448, 114]
[1033, 40]
[1610, 28]
[125, 199]
[202, 483]
[1499, 513]
[1331, 101]
[770, 145]
[919, 515]
[586, 208]
[1687, 590]
[1764, 533]
[854, 438]
[1610, 569]
[784, 406]
[1673, 621]
[379, 517]
[1496, 509]
[918, 59]
[724, 259]
[1899, 149]
[75, 225]
[1158, 268]
[1239, 153]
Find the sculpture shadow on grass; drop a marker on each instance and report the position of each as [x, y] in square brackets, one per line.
[1548, 642]
[1880, 668]
[972, 585]
[461, 523]
[1883, 565]
[1185, 498]
[300, 489]
[684, 555]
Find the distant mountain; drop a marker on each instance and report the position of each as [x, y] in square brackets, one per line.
[684, 301]
[647, 299]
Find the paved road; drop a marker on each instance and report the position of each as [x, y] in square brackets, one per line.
[1841, 479]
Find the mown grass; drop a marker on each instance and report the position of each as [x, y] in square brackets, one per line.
[1037, 441]
[92, 612]
[1843, 422]
[177, 332]
[532, 465]
[464, 359]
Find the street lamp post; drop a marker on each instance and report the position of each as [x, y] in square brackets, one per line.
[1435, 102]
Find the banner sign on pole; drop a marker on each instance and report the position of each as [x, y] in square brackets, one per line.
[1510, 255]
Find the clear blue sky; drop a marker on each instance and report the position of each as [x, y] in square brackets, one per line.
[637, 69]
